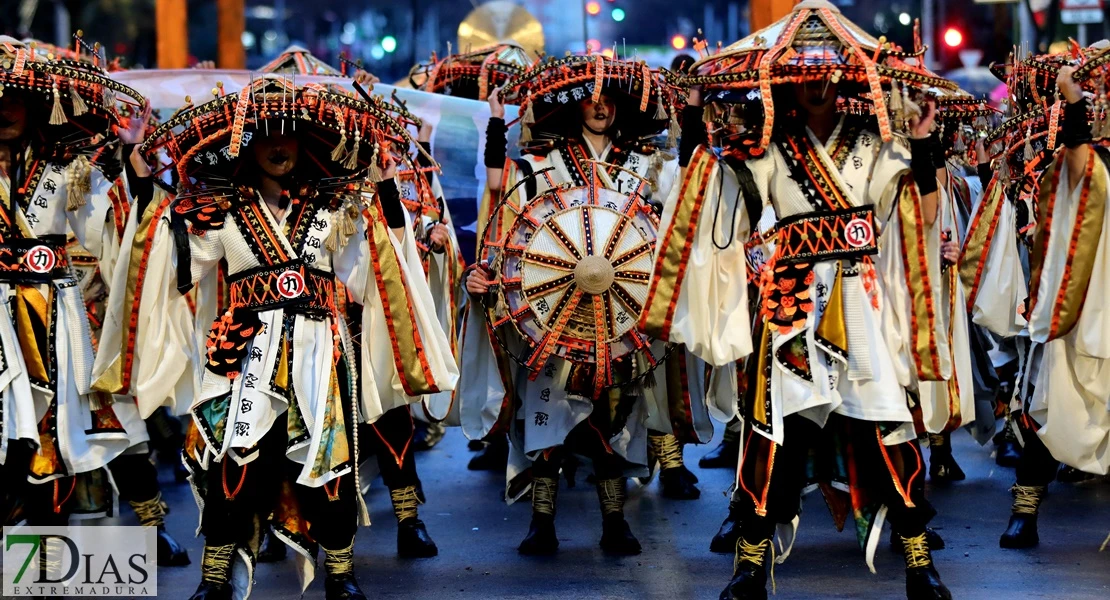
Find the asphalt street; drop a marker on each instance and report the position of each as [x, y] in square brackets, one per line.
[478, 534]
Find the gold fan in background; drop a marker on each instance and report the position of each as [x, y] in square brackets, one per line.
[500, 21]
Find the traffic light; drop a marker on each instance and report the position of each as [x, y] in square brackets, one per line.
[389, 43]
[593, 8]
[953, 38]
[617, 14]
[678, 42]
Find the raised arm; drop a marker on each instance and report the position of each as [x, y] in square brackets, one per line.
[496, 141]
[1076, 134]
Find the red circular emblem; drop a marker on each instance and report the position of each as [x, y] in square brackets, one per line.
[40, 259]
[290, 284]
[858, 233]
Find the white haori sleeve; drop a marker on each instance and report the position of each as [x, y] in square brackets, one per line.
[91, 222]
[382, 387]
[167, 360]
[481, 391]
[1002, 286]
[710, 305]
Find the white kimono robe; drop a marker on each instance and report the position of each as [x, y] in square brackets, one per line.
[708, 309]
[1071, 398]
[444, 276]
[83, 440]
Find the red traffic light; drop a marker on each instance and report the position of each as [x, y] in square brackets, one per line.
[953, 38]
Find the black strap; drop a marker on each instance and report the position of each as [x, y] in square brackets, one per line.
[180, 228]
[530, 187]
[752, 201]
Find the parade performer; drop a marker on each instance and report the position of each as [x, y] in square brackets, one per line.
[1063, 388]
[847, 323]
[550, 370]
[473, 75]
[56, 435]
[391, 438]
[280, 398]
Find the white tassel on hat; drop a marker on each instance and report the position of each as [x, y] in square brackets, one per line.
[79, 106]
[352, 158]
[340, 148]
[57, 115]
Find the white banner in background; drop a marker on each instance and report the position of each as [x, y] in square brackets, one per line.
[458, 141]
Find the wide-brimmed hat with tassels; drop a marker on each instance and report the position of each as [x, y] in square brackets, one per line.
[473, 74]
[816, 44]
[72, 103]
[549, 94]
[296, 59]
[340, 135]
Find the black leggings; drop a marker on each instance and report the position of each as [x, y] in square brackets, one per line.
[390, 438]
[37, 499]
[135, 476]
[585, 439]
[1036, 466]
[226, 520]
[893, 475]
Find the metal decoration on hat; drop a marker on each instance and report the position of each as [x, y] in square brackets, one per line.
[962, 120]
[549, 93]
[574, 267]
[81, 96]
[816, 44]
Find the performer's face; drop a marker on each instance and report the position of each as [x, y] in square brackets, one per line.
[13, 117]
[598, 116]
[276, 153]
[817, 98]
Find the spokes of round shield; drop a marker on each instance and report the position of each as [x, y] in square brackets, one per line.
[575, 266]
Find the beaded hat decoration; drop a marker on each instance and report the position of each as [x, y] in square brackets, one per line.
[296, 59]
[962, 119]
[1092, 68]
[80, 93]
[815, 43]
[471, 74]
[551, 90]
[340, 135]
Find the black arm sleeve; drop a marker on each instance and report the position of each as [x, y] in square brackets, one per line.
[693, 134]
[985, 173]
[140, 188]
[939, 157]
[422, 157]
[495, 143]
[1075, 130]
[390, 198]
[921, 163]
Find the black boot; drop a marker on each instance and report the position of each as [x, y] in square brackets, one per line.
[428, 435]
[493, 458]
[617, 538]
[931, 537]
[212, 591]
[340, 583]
[729, 533]
[616, 535]
[749, 574]
[1068, 474]
[413, 540]
[215, 570]
[943, 468]
[725, 455]
[677, 481]
[272, 549]
[541, 539]
[1022, 530]
[922, 580]
[152, 513]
